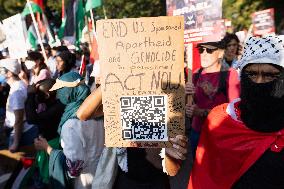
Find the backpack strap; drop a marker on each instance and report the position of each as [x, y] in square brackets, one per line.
[198, 74]
[222, 88]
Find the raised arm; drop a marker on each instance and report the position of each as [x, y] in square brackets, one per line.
[92, 106]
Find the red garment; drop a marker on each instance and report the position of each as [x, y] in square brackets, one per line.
[206, 95]
[94, 51]
[227, 148]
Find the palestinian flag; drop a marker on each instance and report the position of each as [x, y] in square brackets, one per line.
[39, 3]
[90, 4]
[35, 8]
[32, 37]
[94, 55]
[73, 22]
[63, 21]
[94, 58]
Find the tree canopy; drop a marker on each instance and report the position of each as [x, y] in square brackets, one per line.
[239, 11]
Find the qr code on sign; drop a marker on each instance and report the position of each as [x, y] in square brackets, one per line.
[144, 118]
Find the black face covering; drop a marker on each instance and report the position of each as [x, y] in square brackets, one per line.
[262, 105]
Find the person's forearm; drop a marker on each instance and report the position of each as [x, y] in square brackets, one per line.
[30, 109]
[18, 127]
[90, 105]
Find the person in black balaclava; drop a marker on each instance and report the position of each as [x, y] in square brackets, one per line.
[262, 110]
[262, 104]
[241, 144]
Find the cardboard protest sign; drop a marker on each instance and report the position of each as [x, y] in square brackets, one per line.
[263, 22]
[15, 39]
[142, 62]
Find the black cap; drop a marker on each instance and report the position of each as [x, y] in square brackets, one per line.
[212, 45]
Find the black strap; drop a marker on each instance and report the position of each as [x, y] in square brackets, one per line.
[223, 82]
[198, 74]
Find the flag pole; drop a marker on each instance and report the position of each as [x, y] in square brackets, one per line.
[104, 12]
[37, 31]
[93, 21]
[81, 70]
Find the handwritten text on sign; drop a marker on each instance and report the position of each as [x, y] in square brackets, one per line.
[142, 80]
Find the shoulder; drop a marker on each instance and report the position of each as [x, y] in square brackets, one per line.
[196, 74]
[44, 72]
[233, 74]
[218, 110]
[222, 116]
[18, 90]
[232, 70]
[17, 98]
[197, 70]
[76, 124]
[217, 116]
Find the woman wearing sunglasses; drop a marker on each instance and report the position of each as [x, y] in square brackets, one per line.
[213, 84]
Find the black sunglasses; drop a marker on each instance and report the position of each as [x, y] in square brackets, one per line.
[209, 51]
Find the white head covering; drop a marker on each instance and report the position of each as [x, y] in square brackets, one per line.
[268, 49]
[11, 64]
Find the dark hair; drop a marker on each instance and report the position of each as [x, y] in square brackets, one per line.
[69, 60]
[46, 46]
[35, 56]
[61, 48]
[46, 84]
[229, 37]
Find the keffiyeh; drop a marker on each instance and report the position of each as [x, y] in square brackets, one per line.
[268, 49]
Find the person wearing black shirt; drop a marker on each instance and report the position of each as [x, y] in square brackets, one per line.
[48, 119]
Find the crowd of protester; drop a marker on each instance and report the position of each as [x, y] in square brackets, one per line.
[236, 121]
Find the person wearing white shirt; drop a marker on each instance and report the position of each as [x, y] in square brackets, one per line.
[22, 133]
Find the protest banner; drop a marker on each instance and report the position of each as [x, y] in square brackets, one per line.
[203, 23]
[263, 22]
[142, 62]
[202, 19]
[15, 39]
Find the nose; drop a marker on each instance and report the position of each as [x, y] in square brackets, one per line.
[259, 79]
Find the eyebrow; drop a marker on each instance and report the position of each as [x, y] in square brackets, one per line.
[265, 72]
